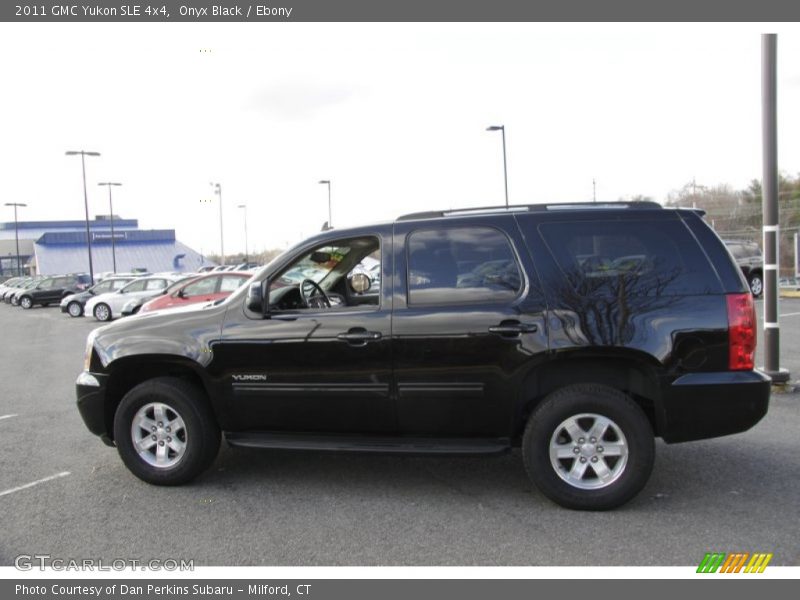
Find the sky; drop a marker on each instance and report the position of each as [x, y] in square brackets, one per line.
[395, 115]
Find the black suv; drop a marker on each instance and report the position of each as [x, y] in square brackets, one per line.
[748, 256]
[52, 289]
[578, 332]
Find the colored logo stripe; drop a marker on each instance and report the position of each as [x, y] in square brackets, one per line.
[711, 562]
[734, 562]
[758, 563]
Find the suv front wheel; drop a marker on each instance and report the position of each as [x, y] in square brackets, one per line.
[165, 432]
[588, 447]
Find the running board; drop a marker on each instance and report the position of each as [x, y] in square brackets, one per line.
[387, 444]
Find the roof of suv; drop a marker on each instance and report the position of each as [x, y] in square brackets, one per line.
[565, 206]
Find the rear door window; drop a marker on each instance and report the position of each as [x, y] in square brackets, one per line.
[631, 257]
[461, 265]
[231, 283]
[200, 288]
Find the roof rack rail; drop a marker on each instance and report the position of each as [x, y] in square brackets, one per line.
[435, 214]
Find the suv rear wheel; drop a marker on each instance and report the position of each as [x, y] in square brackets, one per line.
[756, 284]
[165, 432]
[588, 447]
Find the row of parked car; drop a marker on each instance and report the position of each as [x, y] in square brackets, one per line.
[121, 294]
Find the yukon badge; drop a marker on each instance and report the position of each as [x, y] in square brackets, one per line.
[242, 378]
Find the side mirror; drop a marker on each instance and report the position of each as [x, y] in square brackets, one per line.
[257, 299]
[360, 282]
[181, 294]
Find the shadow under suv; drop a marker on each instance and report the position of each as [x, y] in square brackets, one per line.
[576, 332]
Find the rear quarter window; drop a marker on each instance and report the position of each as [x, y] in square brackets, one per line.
[608, 258]
[461, 265]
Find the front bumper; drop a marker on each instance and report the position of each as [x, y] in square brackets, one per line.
[90, 389]
[705, 405]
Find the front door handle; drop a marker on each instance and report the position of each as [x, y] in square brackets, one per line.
[511, 328]
[359, 336]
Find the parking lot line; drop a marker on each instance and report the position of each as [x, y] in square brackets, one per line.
[7, 417]
[794, 314]
[33, 483]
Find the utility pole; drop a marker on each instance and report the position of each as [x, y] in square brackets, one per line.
[218, 191]
[502, 129]
[594, 190]
[769, 132]
[111, 184]
[246, 255]
[330, 218]
[84, 154]
[16, 232]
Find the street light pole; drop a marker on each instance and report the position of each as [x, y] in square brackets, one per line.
[330, 219]
[218, 191]
[770, 211]
[84, 154]
[502, 129]
[16, 233]
[246, 255]
[110, 184]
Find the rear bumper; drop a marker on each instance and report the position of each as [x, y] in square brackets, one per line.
[90, 389]
[705, 405]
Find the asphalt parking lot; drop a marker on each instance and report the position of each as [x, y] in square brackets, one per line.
[739, 493]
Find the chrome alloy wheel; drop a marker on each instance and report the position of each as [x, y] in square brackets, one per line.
[102, 312]
[588, 451]
[74, 309]
[159, 435]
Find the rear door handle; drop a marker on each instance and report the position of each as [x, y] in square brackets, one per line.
[513, 328]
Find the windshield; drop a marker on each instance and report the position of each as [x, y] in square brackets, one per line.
[316, 265]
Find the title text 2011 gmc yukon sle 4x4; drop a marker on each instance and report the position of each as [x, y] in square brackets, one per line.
[578, 332]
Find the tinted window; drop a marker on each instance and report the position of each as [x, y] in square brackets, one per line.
[204, 286]
[461, 265]
[630, 258]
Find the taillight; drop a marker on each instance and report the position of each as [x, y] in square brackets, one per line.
[741, 332]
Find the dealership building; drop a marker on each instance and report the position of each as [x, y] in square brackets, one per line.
[55, 247]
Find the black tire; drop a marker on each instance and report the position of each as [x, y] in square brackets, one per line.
[756, 283]
[544, 426]
[26, 302]
[202, 435]
[102, 312]
[74, 309]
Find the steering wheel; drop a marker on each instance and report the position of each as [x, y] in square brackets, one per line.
[313, 300]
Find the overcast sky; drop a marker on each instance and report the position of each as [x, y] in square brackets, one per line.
[393, 114]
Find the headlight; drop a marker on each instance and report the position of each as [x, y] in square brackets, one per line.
[87, 358]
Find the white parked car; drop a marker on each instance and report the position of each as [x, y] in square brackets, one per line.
[106, 307]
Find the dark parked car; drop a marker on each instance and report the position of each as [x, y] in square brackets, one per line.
[53, 289]
[11, 294]
[577, 332]
[73, 304]
[750, 260]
